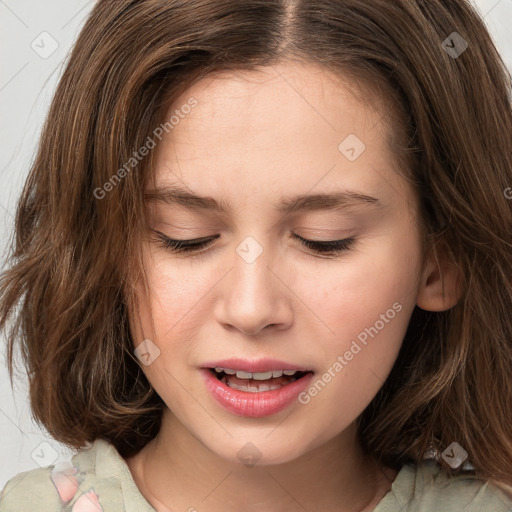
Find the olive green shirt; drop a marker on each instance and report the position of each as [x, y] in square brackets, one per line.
[426, 488]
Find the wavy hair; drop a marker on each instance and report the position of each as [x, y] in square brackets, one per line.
[74, 254]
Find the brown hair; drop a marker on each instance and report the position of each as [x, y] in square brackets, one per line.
[75, 255]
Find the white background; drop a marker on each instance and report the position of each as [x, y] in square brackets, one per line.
[27, 82]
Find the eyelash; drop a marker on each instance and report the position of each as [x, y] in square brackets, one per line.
[196, 247]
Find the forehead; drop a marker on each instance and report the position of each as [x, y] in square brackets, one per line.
[273, 126]
[266, 86]
[284, 97]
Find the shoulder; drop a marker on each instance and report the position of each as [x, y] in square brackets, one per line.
[32, 489]
[96, 479]
[427, 486]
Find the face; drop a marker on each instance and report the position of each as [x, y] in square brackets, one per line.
[255, 293]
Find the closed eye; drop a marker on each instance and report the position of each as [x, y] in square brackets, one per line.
[198, 245]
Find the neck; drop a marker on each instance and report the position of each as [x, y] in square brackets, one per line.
[175, 471]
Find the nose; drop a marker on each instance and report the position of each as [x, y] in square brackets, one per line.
[254, 295]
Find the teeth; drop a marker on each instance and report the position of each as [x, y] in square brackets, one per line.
[257, 388]
[225, 370]
[243, 375]
[262, 376]
[256, 375]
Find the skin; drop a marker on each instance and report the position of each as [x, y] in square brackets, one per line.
[254, 138]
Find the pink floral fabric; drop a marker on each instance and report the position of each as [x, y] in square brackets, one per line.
[66, 483]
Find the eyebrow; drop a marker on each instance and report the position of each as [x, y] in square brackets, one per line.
[306, 202]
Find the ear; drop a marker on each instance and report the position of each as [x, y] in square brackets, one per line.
[441, 283]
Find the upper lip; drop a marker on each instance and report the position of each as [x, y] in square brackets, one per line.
[255, 366]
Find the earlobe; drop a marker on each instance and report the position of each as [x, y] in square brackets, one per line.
[441, 285]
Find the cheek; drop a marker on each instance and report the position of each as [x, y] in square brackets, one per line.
[351, 293]
[167, 318]
[175, 297]
[366, 302]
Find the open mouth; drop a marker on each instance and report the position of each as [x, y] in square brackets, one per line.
[257, 382]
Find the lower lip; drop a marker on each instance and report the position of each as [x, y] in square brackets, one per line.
[254, 405]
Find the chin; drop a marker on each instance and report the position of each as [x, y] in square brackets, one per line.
[251, 449]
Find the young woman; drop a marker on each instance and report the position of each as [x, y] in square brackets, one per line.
[262, 261]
